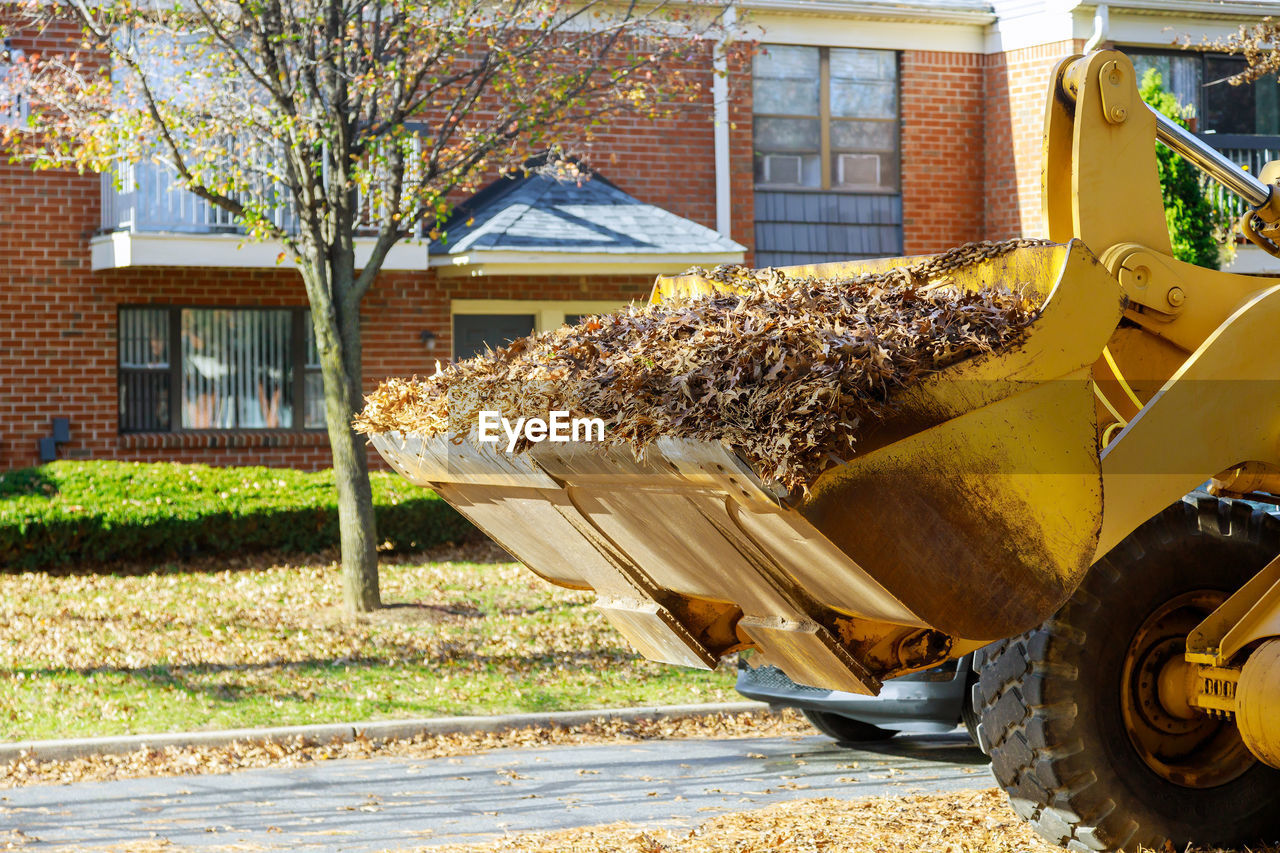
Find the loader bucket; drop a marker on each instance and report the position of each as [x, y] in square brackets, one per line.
[971, 515]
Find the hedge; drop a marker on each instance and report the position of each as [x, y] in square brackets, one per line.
[78, 513]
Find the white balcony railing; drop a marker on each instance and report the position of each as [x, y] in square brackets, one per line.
[149, 220]
[1251, 153]
[145, 197]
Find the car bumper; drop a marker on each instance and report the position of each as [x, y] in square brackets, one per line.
[919, 703]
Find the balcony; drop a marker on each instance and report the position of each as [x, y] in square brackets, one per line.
[1251, 153]
[148, 221]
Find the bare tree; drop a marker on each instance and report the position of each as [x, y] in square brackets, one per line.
[314, 122]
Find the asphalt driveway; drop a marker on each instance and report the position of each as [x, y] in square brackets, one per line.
[375, 804]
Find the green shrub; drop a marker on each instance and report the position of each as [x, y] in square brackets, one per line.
[1191, 216]
[71, 513]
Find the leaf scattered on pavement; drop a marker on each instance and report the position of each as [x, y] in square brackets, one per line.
[953, 822]
[173, 761]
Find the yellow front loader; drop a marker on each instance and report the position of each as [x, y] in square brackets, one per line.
[1041, 502]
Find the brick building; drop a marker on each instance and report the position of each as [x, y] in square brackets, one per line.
[868, 128]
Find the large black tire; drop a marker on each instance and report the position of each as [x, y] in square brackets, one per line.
[845, 729]
[1054, 702]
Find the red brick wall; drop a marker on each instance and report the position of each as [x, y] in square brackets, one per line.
[58, 330]
[943, 120]
[967, 174]
[627, 150]
[971, 144]
[1016, 87]
[53, 348]
[58, 317]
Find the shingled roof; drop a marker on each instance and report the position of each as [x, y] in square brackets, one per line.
[536, 219]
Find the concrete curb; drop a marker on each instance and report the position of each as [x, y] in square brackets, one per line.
[61, 750]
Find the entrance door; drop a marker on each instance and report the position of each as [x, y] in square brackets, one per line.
[472, 332]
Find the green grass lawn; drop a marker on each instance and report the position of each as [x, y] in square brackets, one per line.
[266, 644]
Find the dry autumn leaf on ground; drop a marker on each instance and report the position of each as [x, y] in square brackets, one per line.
[952, 822]
[293, 752]
[784, 370]
[261, 640]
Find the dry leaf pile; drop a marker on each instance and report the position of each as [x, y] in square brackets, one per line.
[243, 755]
[786, 371]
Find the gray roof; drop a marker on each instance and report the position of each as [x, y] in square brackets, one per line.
[539, 212]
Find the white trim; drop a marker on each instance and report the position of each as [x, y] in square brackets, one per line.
[1046, 24]
[1161, 31]
[571, 263]
[890, 11]
[1145, 23]
[839, 31]
[720, 102]
[121, 249]
[1215, 9]
[547, 313]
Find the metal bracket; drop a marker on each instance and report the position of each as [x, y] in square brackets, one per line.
[1252, 613]
[1146, 280]
[1115, 91]
[1214, 690]
[61, 428]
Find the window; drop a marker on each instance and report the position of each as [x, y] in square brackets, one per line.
[480, 323]
[13, 105]
[1198, 81]
[474, 333]
[217, 369]
[144, 369]
[826, 118]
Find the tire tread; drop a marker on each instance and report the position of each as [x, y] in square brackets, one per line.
[1024, 691]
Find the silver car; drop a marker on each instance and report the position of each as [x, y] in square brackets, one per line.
[935, 700]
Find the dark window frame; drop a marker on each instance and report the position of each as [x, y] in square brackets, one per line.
[1215, 138]
[825, 120]
[13, 105]
[455, 337]
[301, 366]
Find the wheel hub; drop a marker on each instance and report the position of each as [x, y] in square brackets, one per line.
[1174, 688]
[1173, 738]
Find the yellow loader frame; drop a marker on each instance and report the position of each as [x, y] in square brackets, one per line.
[975, 512]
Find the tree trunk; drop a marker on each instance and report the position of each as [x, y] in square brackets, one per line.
[337, 327]
[356, 522]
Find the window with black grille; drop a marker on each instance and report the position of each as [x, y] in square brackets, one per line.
[209, 368]
[1199, 81]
